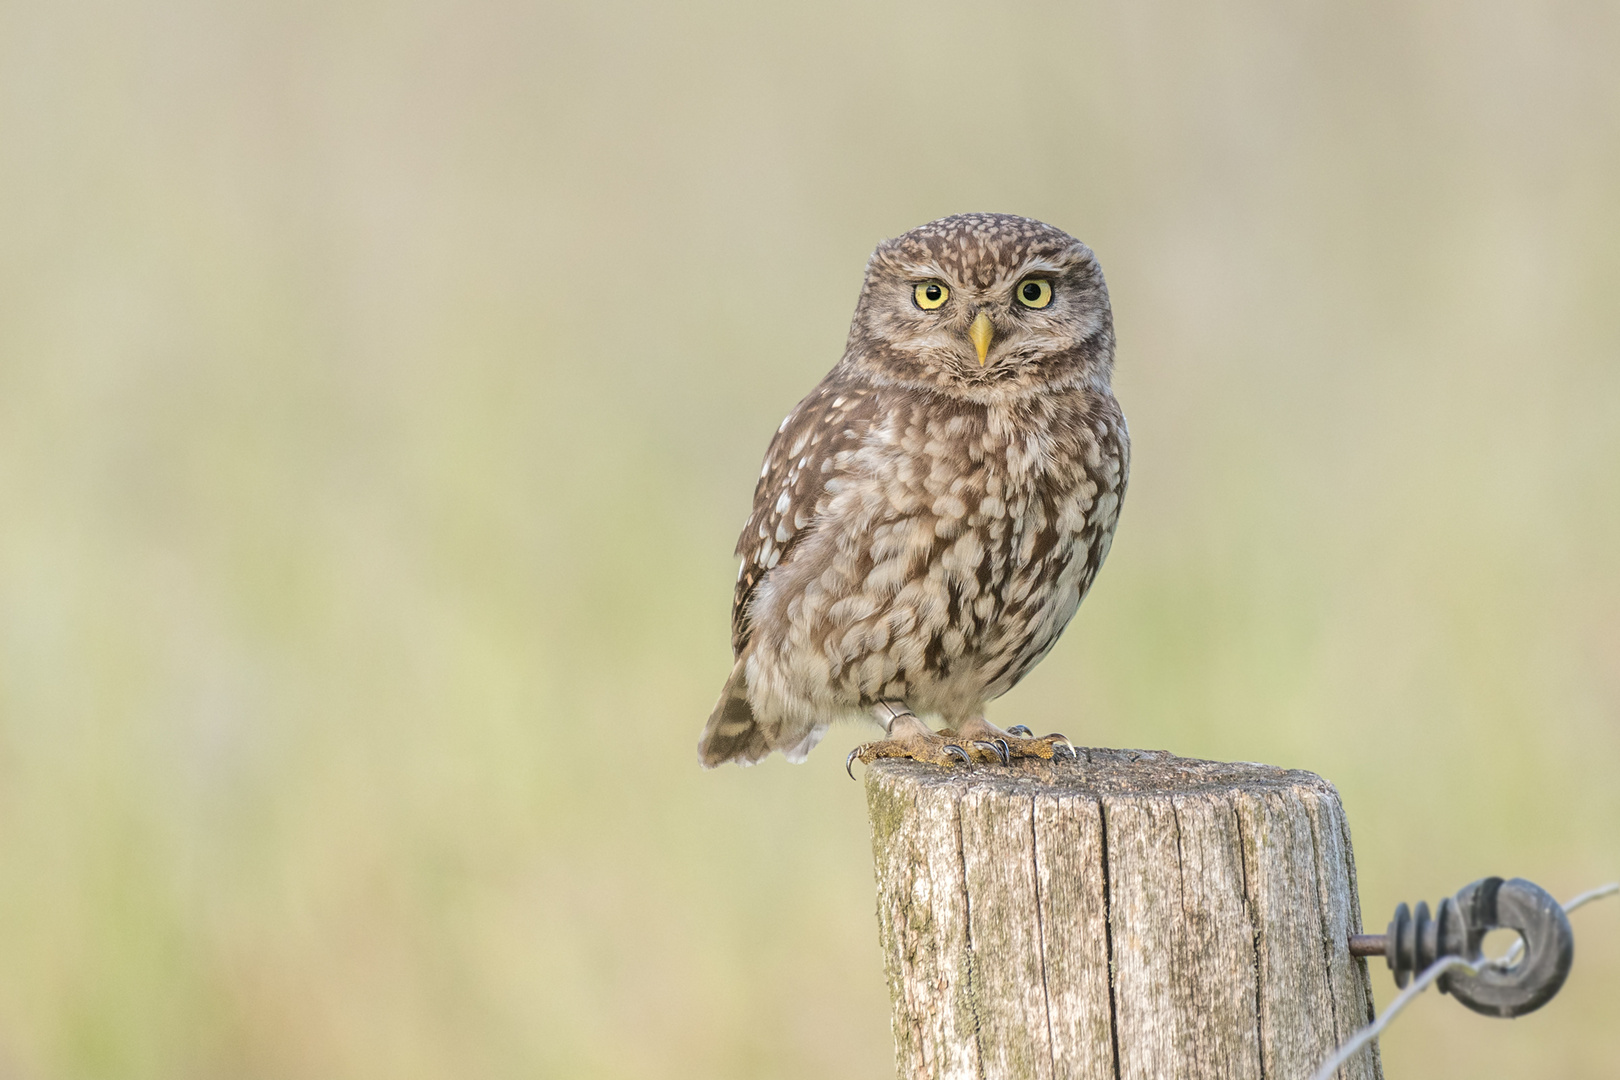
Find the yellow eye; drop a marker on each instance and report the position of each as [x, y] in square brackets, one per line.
[931, 294]
[1034, 292]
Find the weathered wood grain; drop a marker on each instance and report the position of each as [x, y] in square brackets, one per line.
[1130, 915]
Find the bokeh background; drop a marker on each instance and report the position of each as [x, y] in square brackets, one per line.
[382, 388]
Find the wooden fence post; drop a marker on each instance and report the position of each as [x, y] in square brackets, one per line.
[1129, 915]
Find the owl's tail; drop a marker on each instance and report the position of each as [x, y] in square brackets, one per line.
[732, 733]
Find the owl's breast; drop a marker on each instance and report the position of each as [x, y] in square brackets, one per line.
[953, 546]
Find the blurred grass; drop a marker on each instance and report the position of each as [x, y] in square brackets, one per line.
[381, 388]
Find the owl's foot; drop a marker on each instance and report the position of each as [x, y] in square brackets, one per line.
[910, 738]
[1019, 740]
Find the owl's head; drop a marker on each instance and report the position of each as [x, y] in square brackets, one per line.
[983, 305]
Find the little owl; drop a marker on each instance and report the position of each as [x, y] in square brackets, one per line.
[931, 515]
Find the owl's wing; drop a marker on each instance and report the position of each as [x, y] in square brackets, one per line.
[813, 444]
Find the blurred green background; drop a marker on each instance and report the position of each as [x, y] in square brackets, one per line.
[382, 388]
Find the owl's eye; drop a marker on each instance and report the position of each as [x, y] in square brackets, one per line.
[1034, 292]
[931, 294]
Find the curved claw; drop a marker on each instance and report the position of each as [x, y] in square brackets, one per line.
[952, 750]
[997, 747]
[1021, 731]
[849, 762]
[1059, 740]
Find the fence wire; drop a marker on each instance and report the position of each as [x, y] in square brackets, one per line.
[1430, 974]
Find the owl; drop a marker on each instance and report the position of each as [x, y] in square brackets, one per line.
[929, 518]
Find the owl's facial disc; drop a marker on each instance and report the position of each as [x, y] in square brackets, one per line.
[981, 333]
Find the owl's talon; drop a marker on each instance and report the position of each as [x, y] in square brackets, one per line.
[911, 738]
[1014, 742]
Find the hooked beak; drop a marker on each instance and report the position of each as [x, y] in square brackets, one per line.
[980, 334]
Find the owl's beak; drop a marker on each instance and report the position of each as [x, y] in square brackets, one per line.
[980, 334]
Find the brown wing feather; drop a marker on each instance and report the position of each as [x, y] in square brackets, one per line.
[813, 444]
